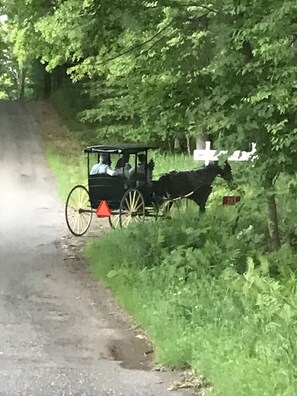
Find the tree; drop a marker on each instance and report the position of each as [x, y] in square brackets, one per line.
[8, 66]
[252, 98]
[26, 44]
[168, 70]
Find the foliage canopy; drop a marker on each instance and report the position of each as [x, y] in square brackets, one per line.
[173, 69]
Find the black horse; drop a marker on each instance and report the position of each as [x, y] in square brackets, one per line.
[195, 184]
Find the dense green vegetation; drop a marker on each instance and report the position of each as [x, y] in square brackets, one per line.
[182, 283]
[8, 66]
[210, 295]
[173, 71]
[169, 71]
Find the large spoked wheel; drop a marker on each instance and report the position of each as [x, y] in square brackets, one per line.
[168, 209]
[114, 220]
[78, 211]
[132, 208]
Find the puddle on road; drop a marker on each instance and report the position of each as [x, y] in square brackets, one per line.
[132, 353]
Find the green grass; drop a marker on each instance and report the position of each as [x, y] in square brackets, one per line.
[165, 163]
[68, 170]
[181, 284]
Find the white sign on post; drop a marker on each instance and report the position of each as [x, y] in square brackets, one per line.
[207, 155]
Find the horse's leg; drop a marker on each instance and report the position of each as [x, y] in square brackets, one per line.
[196, 199]
[201, 209]
[201, 197]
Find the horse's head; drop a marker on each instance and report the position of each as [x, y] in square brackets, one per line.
[226, 172]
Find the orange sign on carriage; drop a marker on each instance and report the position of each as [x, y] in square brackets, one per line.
[103, 210]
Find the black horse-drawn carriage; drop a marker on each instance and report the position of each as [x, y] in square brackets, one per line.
[133, 199]
[128, 199]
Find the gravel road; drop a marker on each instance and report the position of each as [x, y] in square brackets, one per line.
[60, 331]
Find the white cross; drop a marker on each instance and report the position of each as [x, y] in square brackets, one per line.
[207, 155]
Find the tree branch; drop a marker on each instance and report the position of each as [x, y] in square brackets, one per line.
[151, 46]
[179, 5]
[137, 46]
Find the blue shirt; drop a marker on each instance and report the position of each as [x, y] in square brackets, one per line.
[102, 169]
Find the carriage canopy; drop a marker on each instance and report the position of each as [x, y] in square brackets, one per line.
[119, 148]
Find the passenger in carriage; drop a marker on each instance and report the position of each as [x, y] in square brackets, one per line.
[122, 166]
[103, 167]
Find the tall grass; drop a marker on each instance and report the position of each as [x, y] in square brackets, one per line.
[166, 163]
[68, 170]
[182, 283]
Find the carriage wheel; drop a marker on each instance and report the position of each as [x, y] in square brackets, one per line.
[168, 209]
[78, 211]
[132, 208]
[114, 220]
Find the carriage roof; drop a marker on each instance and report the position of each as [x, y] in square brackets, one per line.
[119, 148]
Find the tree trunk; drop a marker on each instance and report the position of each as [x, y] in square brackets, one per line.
[189, 144]
[169, 146]
[177, 144]
[58, 77]
[47, 84]
[22, 84]
[273, 222]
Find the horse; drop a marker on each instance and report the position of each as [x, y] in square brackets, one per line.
[194, 184]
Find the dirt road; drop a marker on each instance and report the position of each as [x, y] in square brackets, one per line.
[59, 330]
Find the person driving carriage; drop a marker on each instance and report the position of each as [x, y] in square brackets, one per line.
[103, 167]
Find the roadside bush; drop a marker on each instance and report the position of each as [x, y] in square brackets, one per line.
[202, 287]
